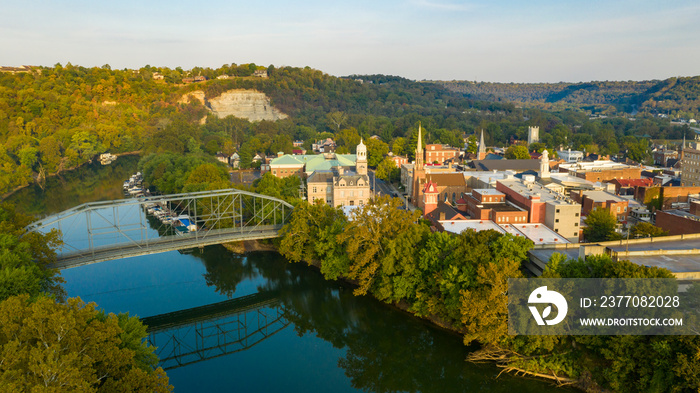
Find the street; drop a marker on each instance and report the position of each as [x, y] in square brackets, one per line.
[384, 188]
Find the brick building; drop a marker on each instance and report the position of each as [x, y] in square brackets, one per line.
[630, 186]
[590, 200]
[490, 204]
[399, 160]
[677, 222]
[669, 195]
[556, 211]
[663, 156]
[436, 153]
[600, 171]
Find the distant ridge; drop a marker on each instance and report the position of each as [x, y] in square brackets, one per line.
[654, 96]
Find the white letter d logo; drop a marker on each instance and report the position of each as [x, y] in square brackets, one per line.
[542, 295]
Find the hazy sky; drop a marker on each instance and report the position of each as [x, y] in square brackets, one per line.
[497, 41]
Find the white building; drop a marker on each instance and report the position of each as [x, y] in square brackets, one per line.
[570, 155]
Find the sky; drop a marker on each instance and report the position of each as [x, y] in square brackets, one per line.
[493, 41]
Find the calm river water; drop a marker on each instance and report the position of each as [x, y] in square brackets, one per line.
[273, 326]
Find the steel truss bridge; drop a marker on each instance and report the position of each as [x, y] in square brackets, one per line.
[201, 333]
[101, 231]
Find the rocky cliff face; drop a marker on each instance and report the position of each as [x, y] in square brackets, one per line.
[247, 104]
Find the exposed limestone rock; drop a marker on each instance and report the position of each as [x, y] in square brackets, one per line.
[246, 104]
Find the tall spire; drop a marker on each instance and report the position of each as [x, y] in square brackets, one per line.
[481, 153]
[419, 150]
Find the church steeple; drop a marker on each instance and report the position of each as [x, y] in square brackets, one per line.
[419, 150]
[481, 154]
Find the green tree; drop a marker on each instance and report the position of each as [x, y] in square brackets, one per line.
[376, 151]
[398, 146]
[348, 139]
[380, 240]
[28, 156]
[25, 258]
[49, 346]
[286, 188]
[311, 235]
[387, 170]
[645, 229]
[600, 226]
[336, 120]
[518, 152]
[246, 155]
[207, 177]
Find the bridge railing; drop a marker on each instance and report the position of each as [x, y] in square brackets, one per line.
[121, 228]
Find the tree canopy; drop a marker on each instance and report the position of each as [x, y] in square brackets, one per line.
[600, 226]
[50, 346]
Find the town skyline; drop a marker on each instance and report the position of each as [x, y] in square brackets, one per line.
[543, 41]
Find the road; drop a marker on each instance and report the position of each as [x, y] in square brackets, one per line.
[384, 188]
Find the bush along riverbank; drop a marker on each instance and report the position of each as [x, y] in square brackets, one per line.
[460, 282]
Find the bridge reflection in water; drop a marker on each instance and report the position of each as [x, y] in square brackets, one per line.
[201, 333]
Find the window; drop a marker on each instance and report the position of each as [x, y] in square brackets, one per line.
[575, 224]
[314, 189]
[557, 220]
[352, 203]
[577, 214]
[576, 234]
[342, 194]
[557, 210]
[329, 201]
[361, 193]
[556, 230]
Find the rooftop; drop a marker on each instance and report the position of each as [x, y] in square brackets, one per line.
[449, 213]
[459, 226]
[538, 233]
[646, 182]
[446, 179]
[679, 254]
[602, 196]
[488, 191]
[529, 190]
[603, 165]
[502, 165]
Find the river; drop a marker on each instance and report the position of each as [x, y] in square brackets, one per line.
[274, 326]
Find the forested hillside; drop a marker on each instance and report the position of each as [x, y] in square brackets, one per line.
[676, 97]
[55, 118]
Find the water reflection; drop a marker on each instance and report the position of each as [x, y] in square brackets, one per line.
[385, 350]
[89, 183]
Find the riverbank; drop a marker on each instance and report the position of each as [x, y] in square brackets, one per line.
[8, 194]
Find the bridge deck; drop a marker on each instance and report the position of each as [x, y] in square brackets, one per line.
[164, 244]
